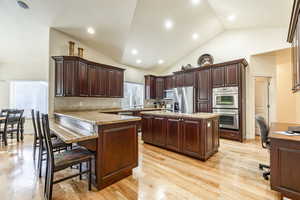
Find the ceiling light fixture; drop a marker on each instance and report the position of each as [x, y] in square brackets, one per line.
[169, 24]
[231, 17]
[160, 61]
[138, 61]
[22, 4]
[195, 2]
[90, 30]
[195, 36]
[134, 52]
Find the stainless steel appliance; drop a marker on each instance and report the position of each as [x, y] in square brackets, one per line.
[184, 96]
[169, 94]
[229, 118]
[226, 97]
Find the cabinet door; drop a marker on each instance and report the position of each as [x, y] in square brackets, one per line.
[150, 87]
[83, 79]
[115, 82]
[59, 77]
[216, 133]
[159, 88]
[159, 131]
[218, 77]
[189, 79]
[147, 129]
[204, 90]
[173, 140]
[191, 138]
[169, 82]
[231, 75]
[97, 81]
[179, 80]
[70, 78]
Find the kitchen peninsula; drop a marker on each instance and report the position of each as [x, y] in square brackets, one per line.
[112, 137]
[195, 135]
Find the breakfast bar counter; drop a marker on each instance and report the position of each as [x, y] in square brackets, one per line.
[195, 135]
[113, 139]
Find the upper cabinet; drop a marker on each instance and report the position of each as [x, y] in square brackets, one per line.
[150, 87]
[77, 77]
[160, 87]
[225, 76]
[293, 38]
[203, 91]
[169, 82]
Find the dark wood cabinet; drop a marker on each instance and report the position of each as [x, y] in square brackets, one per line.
[159, 131]
[198, 138]
[147, 129]
[98, 85]
[218, 77]
[83, 79]
[150, 87]
[191, 138]
[115, 83]
[173, 136]
[231, 76]
[189, 79]
[160, 87]
[179, 80]
[204, 91]
[169, 82]
[77, 77]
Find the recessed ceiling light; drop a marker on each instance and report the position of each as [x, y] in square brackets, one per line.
[90, 30]
[195, 36]
[22, 4]
[138, 61]
[195, 2]
[134, 52]
[169, 24]
[160, 61]
[231, 17]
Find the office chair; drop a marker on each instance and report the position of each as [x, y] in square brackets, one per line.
[265, 142]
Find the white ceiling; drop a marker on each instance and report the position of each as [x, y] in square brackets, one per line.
[123, 25]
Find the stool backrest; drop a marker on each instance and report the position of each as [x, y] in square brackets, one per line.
[13, 117]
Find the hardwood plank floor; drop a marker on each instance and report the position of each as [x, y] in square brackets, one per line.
[231, 174]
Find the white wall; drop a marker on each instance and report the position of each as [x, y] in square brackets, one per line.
[59, 46]
[235, 44]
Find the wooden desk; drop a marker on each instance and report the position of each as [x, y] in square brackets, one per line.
[285, 161]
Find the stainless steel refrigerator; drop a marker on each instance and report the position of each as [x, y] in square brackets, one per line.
[184, 96]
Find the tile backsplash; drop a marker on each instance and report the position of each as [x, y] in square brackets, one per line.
[85, 103]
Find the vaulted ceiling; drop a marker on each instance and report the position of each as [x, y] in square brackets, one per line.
[121, 26]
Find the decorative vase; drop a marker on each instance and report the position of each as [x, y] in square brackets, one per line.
[80, 52]
[71, 48]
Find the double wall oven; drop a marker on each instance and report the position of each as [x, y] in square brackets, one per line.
[226, 103]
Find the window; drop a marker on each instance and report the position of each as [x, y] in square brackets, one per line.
[133, 95]
[29, 95]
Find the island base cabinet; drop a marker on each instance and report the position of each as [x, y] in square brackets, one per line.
[195, 138]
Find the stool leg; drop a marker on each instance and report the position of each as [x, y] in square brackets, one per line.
[80, 170]
[90, 174]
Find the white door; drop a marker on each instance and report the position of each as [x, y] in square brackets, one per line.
[261, 99]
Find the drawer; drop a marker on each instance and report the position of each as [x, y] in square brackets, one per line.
[230, 134]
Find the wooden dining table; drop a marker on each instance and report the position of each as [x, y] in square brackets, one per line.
[2, 121]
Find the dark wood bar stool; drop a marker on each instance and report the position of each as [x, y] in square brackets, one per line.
[36, 138]
[62, 161]
[12, 124]
[57, 144]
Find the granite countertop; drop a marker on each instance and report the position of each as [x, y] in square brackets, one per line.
[98, 118]
[128, 109]
[181, 115]
[69, 136]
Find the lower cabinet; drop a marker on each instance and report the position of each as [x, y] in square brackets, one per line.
[195, 138]
[173, 136]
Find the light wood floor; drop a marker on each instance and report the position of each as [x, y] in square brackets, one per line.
[232, 174]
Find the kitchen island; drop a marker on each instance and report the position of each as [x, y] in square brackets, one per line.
[195, 135]
[113, 139]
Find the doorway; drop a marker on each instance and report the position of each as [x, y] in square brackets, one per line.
[262, 99]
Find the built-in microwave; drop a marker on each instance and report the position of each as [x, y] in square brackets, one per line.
[226, 97]
[169, 94]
